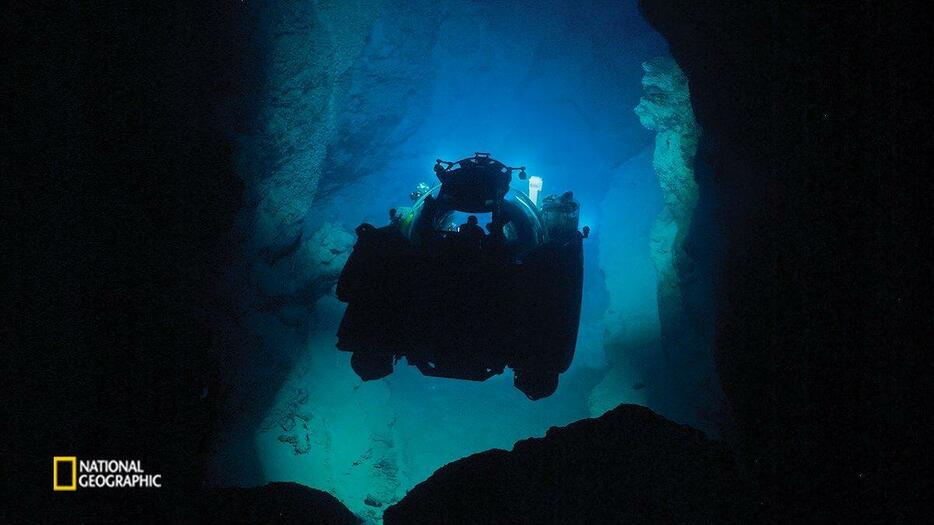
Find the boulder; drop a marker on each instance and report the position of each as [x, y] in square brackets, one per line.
[628, 466]
[275, 502]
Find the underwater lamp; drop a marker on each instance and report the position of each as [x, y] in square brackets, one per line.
[535, 186]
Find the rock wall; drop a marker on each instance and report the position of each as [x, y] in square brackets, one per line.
[311, 47]
[659, 350]
[811, 117]
[665, 108]
[694, 394]
[283, 262]
[342, 79]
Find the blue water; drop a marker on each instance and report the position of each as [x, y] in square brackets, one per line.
[549, 85]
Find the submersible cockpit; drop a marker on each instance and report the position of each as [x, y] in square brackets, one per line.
[462, 303]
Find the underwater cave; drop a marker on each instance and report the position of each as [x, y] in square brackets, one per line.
[354, 103]
[194, 176]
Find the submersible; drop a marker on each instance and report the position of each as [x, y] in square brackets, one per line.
[461, 303]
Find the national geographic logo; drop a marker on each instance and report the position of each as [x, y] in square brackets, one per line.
[68, 473]
[65, 473]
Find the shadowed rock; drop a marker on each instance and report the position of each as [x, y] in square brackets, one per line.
[276, 502]
[628, 466]
[806, 171]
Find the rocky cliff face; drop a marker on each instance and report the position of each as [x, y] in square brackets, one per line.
[343, 79]
[659, 351]
[344, 83]
[808, 115]
[311, 47]
[665, 108]
[285, 263]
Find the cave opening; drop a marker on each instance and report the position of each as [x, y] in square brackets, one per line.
[358, 100]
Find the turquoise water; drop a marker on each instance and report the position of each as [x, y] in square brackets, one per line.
[548, 85]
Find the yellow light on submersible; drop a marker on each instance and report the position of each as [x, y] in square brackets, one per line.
[535, 186]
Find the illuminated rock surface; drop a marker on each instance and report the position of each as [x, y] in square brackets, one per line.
[683, 302]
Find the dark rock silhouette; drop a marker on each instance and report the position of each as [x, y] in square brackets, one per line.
[808, 210]
[628, 466]
[278, 503]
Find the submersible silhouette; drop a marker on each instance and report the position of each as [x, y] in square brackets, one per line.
[449, 300]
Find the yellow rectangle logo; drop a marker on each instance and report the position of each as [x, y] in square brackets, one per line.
[74, 473]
